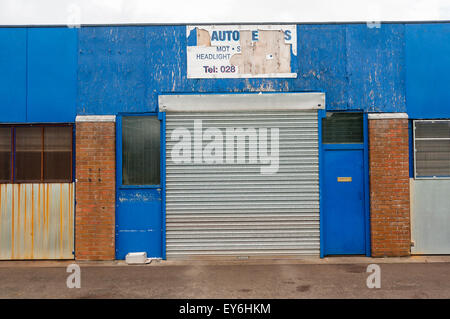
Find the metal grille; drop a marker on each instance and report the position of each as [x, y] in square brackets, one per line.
[342, 128]
[432, 148]
[233, 209]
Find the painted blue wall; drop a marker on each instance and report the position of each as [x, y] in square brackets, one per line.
[38, 81]
[376, 67]
[123, 69]
[428, 70]
[13, 81]
[52, 74]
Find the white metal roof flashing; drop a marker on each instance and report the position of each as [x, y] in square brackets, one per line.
[95, 118]
[241, 102]
[386, 116]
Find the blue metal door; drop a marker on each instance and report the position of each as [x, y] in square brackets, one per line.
[344, 187]
[344, 227]
[139, 221]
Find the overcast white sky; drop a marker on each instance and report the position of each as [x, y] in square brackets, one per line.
[63, 12]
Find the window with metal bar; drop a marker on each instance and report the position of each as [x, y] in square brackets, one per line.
[342, 128]
[432, 148]
[5, 154]
[28, 155]
[35, 153]
[140, 150]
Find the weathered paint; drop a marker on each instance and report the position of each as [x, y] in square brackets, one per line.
[124, 69]
[36, 221]
[375, 68]
[241, 51]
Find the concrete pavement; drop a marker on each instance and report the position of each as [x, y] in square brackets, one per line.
[337, 277]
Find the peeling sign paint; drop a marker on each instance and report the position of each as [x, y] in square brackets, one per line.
[241, 51]
[36, 221]
[138, 197]
[270, 55]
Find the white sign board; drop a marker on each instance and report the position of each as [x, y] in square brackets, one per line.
[241, 51]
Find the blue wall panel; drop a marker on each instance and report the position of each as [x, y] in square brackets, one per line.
[124, 69]
[112, 70]
[322, 63]
[13, 42]
[375, 67]
[52, 80]
[428, 70]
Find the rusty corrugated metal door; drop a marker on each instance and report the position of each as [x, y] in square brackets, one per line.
[37, 221]
[233, 209]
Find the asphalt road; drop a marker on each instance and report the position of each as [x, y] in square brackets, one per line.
[398, 280]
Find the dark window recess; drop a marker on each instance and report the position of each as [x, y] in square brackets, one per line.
[5, 154]
[140, 150]
[37, 153]
[432, 148]
[28, 157]
[343, 128]
[57, 153]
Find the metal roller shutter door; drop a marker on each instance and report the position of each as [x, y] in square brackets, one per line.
[232, 209]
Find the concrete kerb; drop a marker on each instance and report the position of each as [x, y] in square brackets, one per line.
[230, 261]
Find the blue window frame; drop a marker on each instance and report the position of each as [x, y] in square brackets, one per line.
[139, 150]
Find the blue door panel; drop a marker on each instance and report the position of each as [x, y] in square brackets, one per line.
[142, 206]
[344, 211]
[137, 241]
[139, 222]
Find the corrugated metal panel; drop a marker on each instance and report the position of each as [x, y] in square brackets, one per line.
[36, 221]
[232, 209]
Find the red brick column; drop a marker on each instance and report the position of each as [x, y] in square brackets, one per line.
[95, 188]
[389, 184]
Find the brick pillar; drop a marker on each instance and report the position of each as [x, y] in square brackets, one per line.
[389, 184]
[95, 188]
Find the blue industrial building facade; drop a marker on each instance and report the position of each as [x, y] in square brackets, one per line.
[53, 74]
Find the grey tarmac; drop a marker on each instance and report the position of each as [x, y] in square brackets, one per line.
[339, 277]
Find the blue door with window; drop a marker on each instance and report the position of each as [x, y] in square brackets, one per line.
[345, 185]
[139, 194]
